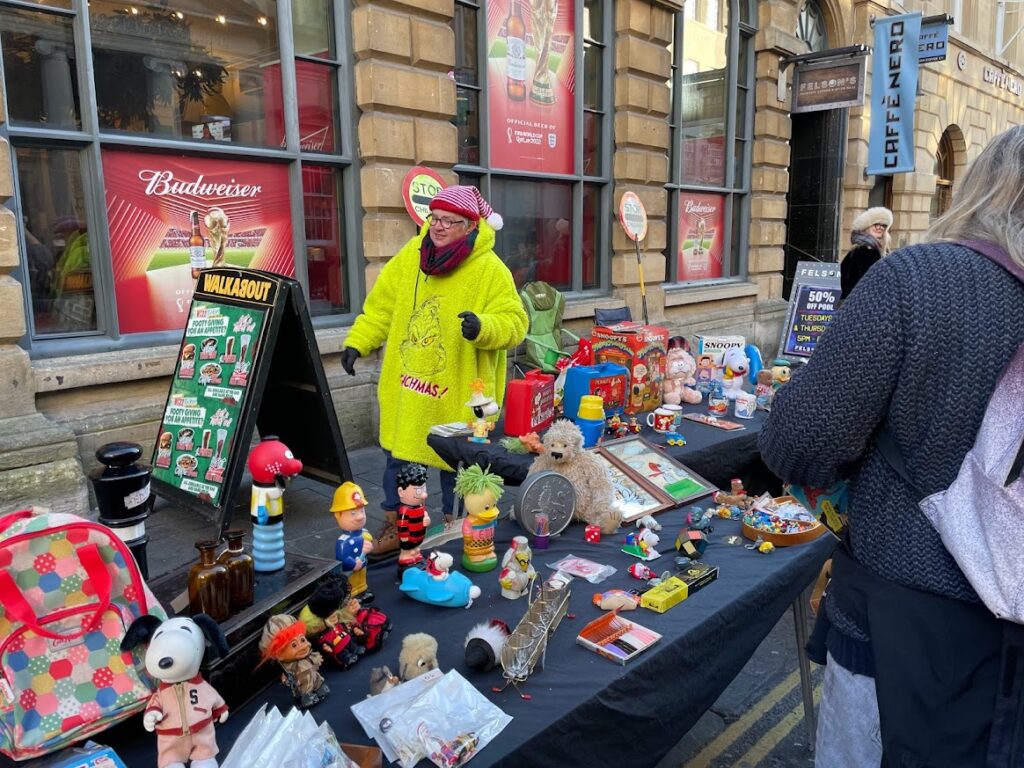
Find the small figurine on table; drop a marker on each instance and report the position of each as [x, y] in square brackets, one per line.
[642, 543]
[634, 425]
[284, 641]
[517, 572]
[482, 407]
[763, 390]
[735, 364]
[438, 584]
[273, 466]
[184, 707]
[355, 542]
[412, 519]
[781, 372]
[480, 490]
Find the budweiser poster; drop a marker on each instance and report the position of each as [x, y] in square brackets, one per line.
[172, 216]
[531, 84]
[701, 235]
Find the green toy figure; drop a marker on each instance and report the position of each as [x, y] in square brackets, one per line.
[480, 490]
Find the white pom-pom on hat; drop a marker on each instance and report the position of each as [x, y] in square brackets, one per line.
[466, 201]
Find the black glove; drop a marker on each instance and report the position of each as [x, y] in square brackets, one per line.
[348, 360]
[470, 325]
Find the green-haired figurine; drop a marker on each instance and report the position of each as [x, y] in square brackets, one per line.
[480, 490]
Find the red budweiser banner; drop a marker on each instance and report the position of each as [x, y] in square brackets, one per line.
[170, 217]
[701, 235]
[531, 84]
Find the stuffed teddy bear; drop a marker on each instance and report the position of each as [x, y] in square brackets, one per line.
[564, 454]
[679, 386]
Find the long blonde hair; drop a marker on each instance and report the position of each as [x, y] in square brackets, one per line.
[989, 201]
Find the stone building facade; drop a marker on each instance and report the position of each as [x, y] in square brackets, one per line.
[402, 102]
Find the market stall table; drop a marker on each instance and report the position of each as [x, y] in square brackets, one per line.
[583, 705]
[715, 454]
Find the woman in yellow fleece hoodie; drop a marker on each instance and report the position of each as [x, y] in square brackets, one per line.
[448, 309]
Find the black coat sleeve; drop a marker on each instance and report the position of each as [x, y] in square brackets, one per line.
[854, 266]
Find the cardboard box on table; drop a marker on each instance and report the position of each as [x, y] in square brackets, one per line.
[641, 350]
[716, 347]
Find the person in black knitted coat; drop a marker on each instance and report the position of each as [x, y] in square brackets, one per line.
[870, 237]
[916, 350]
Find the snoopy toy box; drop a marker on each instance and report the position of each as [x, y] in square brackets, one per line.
[641, 350]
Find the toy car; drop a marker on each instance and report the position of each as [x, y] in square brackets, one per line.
[674, 438]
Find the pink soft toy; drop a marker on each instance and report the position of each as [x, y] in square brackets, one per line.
[679, 376]
[735, 365]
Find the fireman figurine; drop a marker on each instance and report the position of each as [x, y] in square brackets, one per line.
[272, 466]
[355, 542]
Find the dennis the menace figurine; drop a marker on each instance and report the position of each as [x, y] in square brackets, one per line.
[412, 519]
[272, 466]
[355, 542]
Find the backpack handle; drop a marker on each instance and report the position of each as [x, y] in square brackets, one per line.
[18, 608]
[8, 520]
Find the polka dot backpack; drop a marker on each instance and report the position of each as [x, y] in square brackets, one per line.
[69, 588]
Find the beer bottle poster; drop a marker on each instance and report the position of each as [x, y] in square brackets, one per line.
[170, 216]
[701, 235]
[208, 394]
[531, 84]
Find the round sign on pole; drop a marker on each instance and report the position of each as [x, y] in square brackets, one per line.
[418, 188]
[633, 216]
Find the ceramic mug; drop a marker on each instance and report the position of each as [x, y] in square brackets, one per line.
[746, 405]
[661, 420]
[677, 414]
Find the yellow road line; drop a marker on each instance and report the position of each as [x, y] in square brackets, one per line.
[769, 741]
[726, 738]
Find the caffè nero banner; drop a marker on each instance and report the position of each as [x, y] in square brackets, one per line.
[894, 94]
[171, 217]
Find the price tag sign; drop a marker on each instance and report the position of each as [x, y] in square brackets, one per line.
[418, 189]
[812, 306]
[633, 216]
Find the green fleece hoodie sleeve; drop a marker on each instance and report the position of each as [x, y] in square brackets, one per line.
[503, 323]
[370, 329]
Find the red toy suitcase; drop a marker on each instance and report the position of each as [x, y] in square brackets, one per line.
[529, 403]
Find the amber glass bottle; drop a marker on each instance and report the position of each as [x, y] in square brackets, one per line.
[241, 573]
[208, 589]
[515, 53]
[196, 247]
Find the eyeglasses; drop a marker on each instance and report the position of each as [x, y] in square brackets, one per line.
[879, 226]
[444, 224]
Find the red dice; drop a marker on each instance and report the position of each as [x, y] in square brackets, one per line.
[592, 533]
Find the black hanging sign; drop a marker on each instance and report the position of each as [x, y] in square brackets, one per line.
[248, 360]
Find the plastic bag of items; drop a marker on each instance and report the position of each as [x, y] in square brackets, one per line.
[447, 721]
[271, 740]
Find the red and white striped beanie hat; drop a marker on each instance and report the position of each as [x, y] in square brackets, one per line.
[466, 201]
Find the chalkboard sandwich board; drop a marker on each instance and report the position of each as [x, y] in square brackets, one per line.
[248, 361]
[813, 303]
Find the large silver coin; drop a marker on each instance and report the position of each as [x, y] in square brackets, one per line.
[550, 493]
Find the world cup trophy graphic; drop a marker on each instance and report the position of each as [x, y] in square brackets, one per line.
[544, 14]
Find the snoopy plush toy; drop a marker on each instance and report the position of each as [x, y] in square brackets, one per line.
[185, 706]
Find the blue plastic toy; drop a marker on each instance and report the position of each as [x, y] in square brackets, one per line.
[437, 585]
[674, 438]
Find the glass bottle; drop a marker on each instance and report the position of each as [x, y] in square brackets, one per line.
[515, 53]
[208, 589]
[241, 573]
[196, 247]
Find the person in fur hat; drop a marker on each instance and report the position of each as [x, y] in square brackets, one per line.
[448, 308]
[870, 238]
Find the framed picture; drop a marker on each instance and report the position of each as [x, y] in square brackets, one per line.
[645, 462]
[633, 499]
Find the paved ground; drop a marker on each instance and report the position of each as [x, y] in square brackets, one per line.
[757, 722]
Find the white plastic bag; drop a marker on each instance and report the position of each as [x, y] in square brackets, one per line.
[585, 569]
[372, 711]
[448, 724]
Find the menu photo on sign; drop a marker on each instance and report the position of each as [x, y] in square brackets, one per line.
[531, 84]
[210, 387]
[812, 306]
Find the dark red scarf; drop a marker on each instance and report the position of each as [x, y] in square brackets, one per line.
[441, 261]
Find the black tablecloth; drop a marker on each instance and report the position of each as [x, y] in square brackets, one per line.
[583, 705]
[713, 453]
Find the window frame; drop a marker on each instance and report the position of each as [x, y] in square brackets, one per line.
[90, 140]
[483, 175]
[737, 192]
